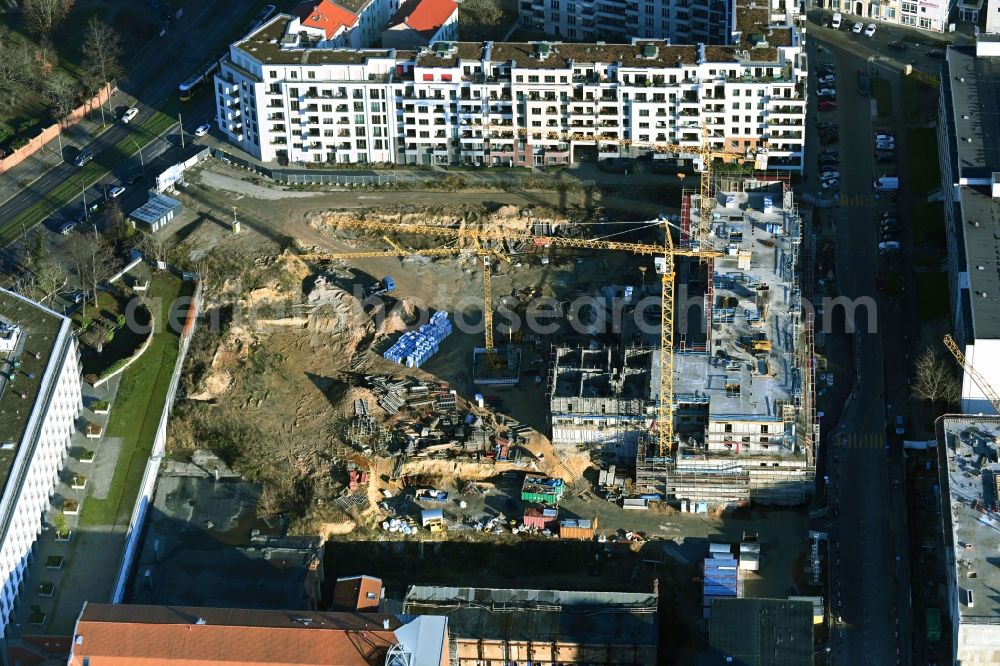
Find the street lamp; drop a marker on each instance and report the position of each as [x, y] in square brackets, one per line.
[141, 163]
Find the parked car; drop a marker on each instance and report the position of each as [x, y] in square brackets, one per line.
[870, 30]
[830, 184]
[133, 178]
[67, 228]
[827, 92]
[826, 124]
[884, 136]
[825, 68]
[864, 86]
[116, 192]
[829, 164]
[846, 25]
[75, 297]
[858, 27]
[830, 152]
[202, 129]
[129, 115]
[827, 78]
[900, 429]
[830, 175]
[897, 45]
[836, 21]
[83, 158]
[884, 145]
[885, 156]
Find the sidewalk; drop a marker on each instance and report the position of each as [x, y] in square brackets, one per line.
[73, 138]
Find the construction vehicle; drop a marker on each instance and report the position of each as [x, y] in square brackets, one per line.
[383, 286]
[979, 380]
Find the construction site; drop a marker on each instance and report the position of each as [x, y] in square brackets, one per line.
[477, 367]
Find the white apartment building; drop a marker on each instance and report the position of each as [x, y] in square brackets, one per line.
[717, 22]
[924, 14]
[40, 398]
[537, 103]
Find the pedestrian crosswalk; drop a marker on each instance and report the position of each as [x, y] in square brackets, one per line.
[861, 441]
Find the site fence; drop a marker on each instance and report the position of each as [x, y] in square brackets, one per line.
[145, 496]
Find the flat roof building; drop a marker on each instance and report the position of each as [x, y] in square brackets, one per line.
[40, 399]
[155, 213]
[969, 156]
[282, 99]
[760, 632]
[488, 625]
[969, 468]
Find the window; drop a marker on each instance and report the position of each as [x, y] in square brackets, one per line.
[428, 77]
[293, 74]
[312, 74]
[728, 427]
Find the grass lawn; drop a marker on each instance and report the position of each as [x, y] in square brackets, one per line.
[933, 302]
[925, 176]
[928, 225]
[137, 408]
[882, 92]
[915, 94]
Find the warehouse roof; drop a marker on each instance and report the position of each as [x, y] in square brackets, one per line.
[761, 632]
[616, 618]
[973, 125]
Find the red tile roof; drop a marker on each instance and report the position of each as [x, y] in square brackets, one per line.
[431, 14]
[424, 16]
[329, 17]
[131, 635]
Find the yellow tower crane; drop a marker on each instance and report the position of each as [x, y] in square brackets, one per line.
[664, 259]
[980, 381]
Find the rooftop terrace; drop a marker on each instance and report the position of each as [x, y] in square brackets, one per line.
[22, 370]
[970, 451]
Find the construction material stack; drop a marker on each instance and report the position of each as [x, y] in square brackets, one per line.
[415, 347]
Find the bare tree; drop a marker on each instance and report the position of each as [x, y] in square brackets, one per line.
[157, 246]
[60, 91]
[33, 245]
[42, 17]
[936, 379]
[17, 68]
[102, 53]
[50, 277]
[93, 261]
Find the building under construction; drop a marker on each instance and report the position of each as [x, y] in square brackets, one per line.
[743, 407]
[743, 368]
[603, 398]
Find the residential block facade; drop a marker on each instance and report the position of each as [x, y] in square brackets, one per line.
[537, 103]
[37, 415]
[924, 14]
[716, 22]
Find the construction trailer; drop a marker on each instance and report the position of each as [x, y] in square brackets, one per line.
[744, 393]
[432, 519]
[721, 580]
[542, 489]
[577, 529]
[541, 518]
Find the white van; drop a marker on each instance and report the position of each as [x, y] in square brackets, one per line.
[886, 184]
[835, 22]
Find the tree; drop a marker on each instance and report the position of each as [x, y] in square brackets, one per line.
[61, 524]
[42, 17]
[60, 91]
[93, 260]
[33, 245]
[936, 379]
[17, 68]
[102, 54]
[479, 13]
[157, 246]
[50, 277]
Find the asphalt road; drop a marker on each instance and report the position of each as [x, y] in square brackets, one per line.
[868, 594]
[152, 79]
